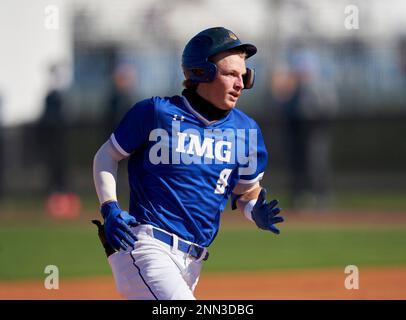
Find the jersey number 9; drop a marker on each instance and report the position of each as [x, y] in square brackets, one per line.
[222, 181]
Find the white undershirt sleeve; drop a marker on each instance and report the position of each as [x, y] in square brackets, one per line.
[248, 209]
[105, 164]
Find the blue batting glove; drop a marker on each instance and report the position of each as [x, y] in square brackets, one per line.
[117, 225]
[265, 214]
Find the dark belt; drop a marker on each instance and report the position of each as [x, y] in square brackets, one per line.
[192, 249]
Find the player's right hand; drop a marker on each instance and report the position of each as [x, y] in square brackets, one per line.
[117, 225]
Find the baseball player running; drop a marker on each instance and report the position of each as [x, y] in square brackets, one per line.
[187, 155]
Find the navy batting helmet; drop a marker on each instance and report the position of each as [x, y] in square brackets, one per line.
[195, 57]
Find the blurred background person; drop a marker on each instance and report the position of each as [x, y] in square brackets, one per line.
[61, 202]
[121, 96]
[52, 132]
[286, 95]
[306, 109]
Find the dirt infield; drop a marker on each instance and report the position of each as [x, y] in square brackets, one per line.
[374, 283]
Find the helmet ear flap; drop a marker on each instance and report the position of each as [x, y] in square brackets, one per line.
[249, 78]
[204, 72]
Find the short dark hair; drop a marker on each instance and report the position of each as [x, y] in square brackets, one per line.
[189, 84]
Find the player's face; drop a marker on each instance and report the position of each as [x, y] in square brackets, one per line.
[226, 88]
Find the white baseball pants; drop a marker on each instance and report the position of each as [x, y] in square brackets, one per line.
[154, 270]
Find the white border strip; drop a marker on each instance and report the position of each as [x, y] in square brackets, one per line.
[259, 177]
[117, 146]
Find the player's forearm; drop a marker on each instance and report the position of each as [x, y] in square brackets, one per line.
[246, 201]
[105, 165]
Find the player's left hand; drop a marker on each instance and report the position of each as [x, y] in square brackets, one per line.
[265, 214]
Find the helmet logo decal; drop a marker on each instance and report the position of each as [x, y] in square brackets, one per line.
[232, 35]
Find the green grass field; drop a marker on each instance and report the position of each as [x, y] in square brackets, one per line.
[26, 251]
[234, 250]
[18, 208]
[29, 241]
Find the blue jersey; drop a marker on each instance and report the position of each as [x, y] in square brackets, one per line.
[183, 168]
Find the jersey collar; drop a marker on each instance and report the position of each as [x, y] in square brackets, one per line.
[196, 104]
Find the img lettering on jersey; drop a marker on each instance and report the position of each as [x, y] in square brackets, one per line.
[212, 146]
